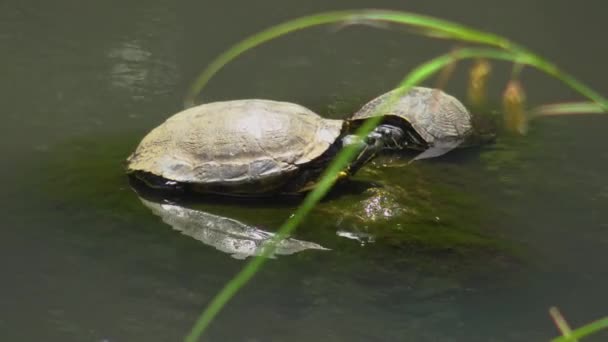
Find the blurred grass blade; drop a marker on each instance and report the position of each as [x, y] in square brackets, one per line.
[561, 324]
[325, 183]
[445, 74]
[584, 331]
[440, 27]
[568, 108]
[504, 50]
[524, 59]
[514, 101]
[416, 76]
[478, 83]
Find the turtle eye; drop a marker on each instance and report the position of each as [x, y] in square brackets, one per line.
[373, 137]
[385, 131]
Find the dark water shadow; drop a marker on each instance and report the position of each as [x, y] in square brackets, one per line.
[350, 187]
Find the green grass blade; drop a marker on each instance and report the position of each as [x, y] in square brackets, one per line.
[510, 52]
[432, 25]
[326, 182]
[416, 76]
[436, 26]
[568, 108]
[562, 324]
[236, 283]
[520, 58]
[584, 331]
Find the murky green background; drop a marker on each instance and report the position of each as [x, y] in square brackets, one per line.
[475, 246]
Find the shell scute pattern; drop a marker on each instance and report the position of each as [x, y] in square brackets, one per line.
[434, 114]
[235, 142]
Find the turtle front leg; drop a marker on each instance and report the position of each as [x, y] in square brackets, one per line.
[382, 137]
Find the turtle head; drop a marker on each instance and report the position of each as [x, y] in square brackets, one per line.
[388, 137]
[382, 137]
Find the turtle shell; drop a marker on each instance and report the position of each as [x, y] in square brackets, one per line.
[436, 116]
[239, 146]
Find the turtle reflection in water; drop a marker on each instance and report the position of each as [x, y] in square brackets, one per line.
[225, 234]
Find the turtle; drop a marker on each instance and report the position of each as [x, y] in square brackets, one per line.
[250, 147]
[436, 121]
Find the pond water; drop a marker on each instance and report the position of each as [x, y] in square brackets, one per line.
[473, 246]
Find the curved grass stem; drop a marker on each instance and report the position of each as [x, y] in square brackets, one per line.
[429, 25]
[501, 49]
[327, 180]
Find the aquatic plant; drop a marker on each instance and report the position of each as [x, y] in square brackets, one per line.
[569, 335]
[485, 45]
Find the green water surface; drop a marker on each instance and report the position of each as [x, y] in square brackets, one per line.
[474, 246]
